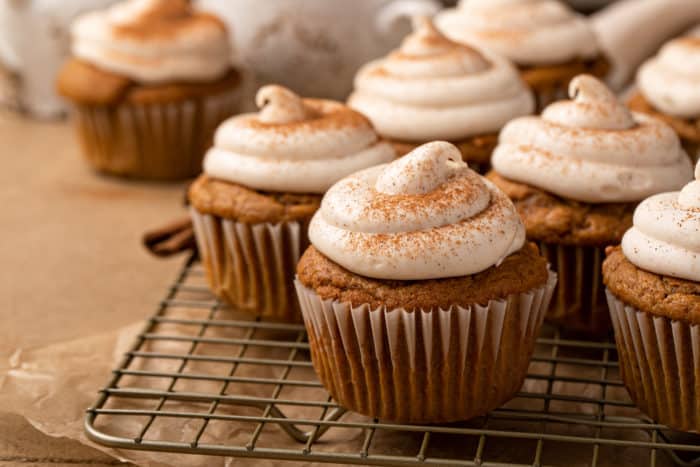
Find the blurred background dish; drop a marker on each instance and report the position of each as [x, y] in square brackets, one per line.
[315, 46]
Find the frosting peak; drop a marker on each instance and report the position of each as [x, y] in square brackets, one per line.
[293, 144]
[422, 171]
[593, 106]
[423, 216]
[153, 41]
[665, 237]
[592, 149]
[669, 80]
[280, 105]
[433, 88]
[529, 32]
[427, 41]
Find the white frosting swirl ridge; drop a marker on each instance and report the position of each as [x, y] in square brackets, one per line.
[433, 88]
[592, 149]
[153, 41]
[294, 145]
[423, 216]
[665, 238]
[669, 81]
[529, 32]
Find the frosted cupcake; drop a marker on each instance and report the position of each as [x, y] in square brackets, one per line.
[654, 295]
[262, 182]
[420, 296]
[667, 88]
[576, 173]
[149, 80]
[548, 41]
[432, 88]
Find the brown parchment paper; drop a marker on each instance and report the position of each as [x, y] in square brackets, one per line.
[51, 386]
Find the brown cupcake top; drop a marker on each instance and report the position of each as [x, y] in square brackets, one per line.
[520, 272]
[239, 203]
[687, 128]
[86, 84]
[664, 296]
[552, 219]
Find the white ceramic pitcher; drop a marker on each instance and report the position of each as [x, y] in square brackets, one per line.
[315, 46]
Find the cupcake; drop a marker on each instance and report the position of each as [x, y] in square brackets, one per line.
[421, 298]
[667, 89]
[653, 284]
[432, 88]
[548, 41]
[576, 173]
[149, 81]
[262, 182]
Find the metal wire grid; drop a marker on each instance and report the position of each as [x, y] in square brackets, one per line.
[199, 374]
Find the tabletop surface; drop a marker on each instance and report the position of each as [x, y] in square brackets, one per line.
[72, 260]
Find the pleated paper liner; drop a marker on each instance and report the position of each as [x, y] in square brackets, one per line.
[424, 366]
[252, 266]
[659, 364]
[160, 141]
[578, 304]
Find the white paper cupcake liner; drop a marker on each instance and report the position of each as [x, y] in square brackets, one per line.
[153, 141]
[252, 266]
[659, 364]
[424, 366]
[579, 302]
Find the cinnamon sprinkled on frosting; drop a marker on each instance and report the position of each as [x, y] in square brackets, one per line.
[154, 41]
[669, 81]
[434, 88]
[426, 215]
[529, 32]
[293, 144]
[592, 149]
[665, 238]
[161, 19]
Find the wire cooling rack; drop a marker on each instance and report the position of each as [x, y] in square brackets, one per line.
[201, 379]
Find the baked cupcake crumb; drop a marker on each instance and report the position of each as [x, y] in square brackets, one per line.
[664, 296]
[520, 272]
[237, 202]
[552, 219]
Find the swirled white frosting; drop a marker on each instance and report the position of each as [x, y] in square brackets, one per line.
[424, 216]
[669, 81]
[294, 145]
[529, 32]
[592, 149]
[153, 41]
[433, 88]
[665, 238]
